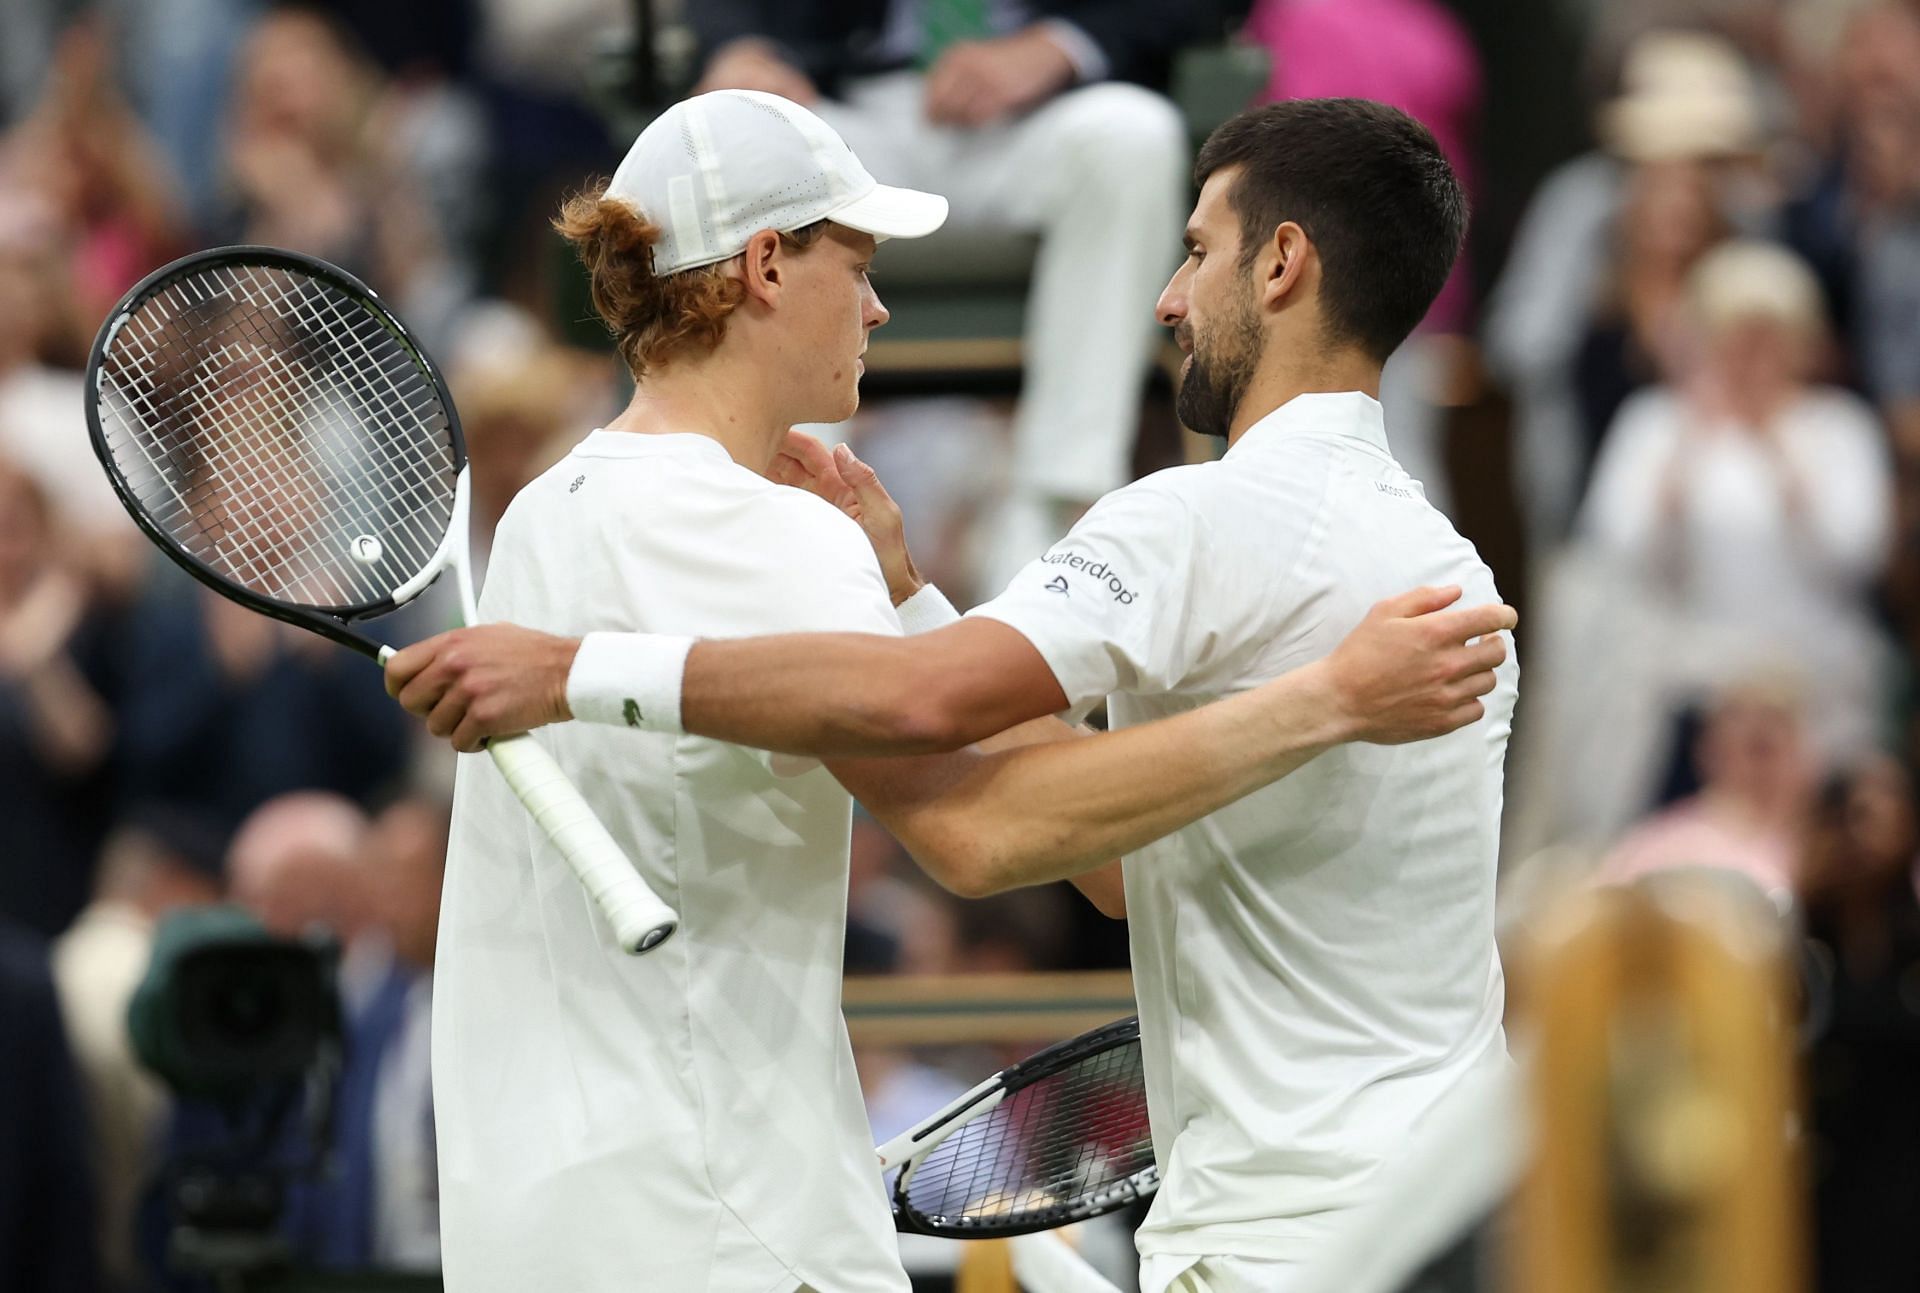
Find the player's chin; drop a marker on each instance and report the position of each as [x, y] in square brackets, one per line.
[847, 404]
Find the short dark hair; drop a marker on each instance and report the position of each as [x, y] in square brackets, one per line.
[1372, 190]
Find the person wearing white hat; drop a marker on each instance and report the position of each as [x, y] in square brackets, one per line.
[691, 1120]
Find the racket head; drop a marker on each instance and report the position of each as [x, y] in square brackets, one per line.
[1060, 1137]
[278, 432]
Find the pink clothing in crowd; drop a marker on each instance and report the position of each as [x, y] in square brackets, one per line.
[1412, 54]
[1688, 835]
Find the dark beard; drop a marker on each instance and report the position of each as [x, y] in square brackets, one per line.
[1219, 376]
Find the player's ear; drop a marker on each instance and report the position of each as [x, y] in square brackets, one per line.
[763, 266]
[1283, 263]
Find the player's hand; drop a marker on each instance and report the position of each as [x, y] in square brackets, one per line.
[754, 64]
[978, 82]
[489, 680]
[855, 489]
[1415, 669]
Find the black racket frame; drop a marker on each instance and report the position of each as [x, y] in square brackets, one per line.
[1035, 1068]
[330, 622]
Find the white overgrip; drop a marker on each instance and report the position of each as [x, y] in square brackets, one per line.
[640, 920]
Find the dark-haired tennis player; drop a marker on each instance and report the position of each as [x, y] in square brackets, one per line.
[1315, 960]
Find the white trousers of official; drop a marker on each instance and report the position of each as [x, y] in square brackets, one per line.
[1100, 173]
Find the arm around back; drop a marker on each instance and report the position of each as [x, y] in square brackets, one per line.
[850, 695]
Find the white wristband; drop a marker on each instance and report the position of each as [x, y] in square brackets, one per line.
[925, 611]
[629, 680]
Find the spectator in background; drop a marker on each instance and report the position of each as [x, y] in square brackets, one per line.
[1737, 518]
[521, 411]
[1752, 505]
[56, 729]
[394, 1129]
[1021, 116]
[297, 864]
[251, 708]
[1853, 218]
[157, 860]
[1756, 781]
[1858, 894]
[46, 1193]
[1417, 56]
[310, 861]
[42, 421]
[1669, 218]
[85, 153]
[307, 864]
[317, 160]
[1684, 97]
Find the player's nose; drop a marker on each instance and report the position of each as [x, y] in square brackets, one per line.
[1172, 305]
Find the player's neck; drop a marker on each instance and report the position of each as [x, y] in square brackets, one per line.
[1283, 375]
[704, 399]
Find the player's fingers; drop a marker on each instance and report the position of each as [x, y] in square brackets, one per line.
[1416, 601]
[813, 455]
[1460, 715]
[863, 481]
[424, 690]
[447, 713]
[817, 464]
[1487, 654]
[468, 737]
[405, 665]
[1477, 621]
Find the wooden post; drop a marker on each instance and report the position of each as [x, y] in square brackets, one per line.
[1664, 1095]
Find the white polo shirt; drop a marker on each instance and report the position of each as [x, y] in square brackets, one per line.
[689, 1119]
[1315, 964]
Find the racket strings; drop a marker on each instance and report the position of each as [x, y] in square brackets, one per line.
[253, 474]
[419, 542]
[275, 428]
[1046, 1151]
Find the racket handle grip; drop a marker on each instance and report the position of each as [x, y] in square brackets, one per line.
[641, 922]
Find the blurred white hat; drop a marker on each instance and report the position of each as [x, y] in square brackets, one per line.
[715, 169]
[1683, 95]
[1750, 279]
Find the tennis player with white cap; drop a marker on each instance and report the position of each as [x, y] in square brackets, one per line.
[691, 1120]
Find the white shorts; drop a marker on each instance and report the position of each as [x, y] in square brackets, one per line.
[1178, 1273]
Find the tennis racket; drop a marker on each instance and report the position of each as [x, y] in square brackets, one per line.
[1055, 1139]
[278, 433]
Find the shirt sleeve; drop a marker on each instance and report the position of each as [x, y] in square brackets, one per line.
[1108, 606]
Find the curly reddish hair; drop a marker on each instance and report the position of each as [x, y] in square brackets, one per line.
[652, 318]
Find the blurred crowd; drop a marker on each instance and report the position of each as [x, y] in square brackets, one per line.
[1699, 351]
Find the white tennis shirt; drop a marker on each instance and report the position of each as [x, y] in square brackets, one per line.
[1315, 964]
[688, 1120]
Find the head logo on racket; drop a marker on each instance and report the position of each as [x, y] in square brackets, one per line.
[367, 550]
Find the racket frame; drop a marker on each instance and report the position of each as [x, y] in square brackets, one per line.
[331, 622]
[638, 918]
[911, 1147]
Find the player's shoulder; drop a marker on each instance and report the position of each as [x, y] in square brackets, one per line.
[802, 519]
[1172, 496]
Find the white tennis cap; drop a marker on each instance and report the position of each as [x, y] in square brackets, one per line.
[716, 169]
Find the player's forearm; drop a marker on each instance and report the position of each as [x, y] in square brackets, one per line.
[829, 695]
[1048, 812]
